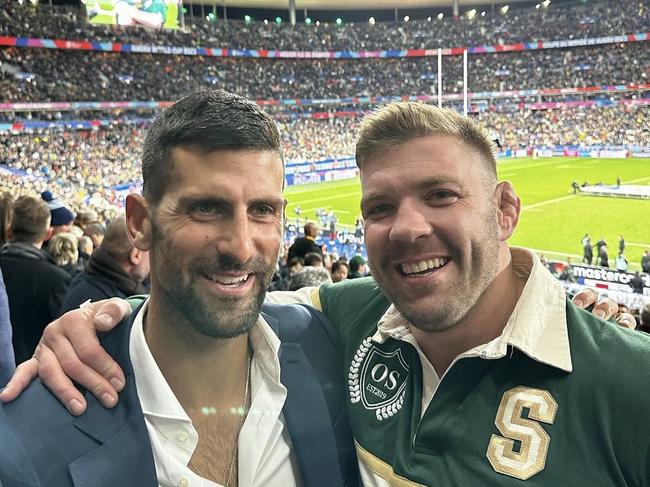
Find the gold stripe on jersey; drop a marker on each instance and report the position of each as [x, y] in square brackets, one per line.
[383, 469]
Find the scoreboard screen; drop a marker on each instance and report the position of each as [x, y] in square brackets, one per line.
[156, 14]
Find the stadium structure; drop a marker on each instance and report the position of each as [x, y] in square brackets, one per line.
[562, 86]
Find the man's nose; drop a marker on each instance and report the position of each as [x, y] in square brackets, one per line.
[236, 240]
[410, 223]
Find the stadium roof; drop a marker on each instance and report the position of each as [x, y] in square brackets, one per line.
[346, 4]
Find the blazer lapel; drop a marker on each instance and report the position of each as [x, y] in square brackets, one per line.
[124, 455]
[308, 420]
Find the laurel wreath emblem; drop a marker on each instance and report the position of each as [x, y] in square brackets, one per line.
[354, 385]
[355, 366]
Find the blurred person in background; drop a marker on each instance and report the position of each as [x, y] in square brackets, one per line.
[636, 283]
[304, 245]
[603, 258]
[340, 271]
[35, 285]
[645, 262]
[116, 269]
[621, 262]
[85, 249]
[62, 217]
[644, 326]
[587, 252]
[85, 217]
[96, 233]
[313, 259]
[357, 267]
[64, 249]
[309, 276]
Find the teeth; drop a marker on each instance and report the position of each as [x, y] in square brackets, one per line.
[424, 265]
[228, 280]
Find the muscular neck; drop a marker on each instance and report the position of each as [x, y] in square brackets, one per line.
[484, 321]
[201, 371]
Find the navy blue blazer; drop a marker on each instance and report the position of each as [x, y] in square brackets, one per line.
[41, 445]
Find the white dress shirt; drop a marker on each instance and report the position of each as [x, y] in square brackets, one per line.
[265, 456]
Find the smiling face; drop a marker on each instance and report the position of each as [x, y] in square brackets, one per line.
[431, 228]
[215, 236]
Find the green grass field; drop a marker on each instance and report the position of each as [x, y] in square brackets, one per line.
[553, 220]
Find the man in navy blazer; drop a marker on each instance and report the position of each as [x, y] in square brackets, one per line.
[43, 445]
[217, 389]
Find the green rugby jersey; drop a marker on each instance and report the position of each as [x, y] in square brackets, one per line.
[502, 419]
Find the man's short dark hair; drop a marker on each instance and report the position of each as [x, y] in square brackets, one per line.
[312, 258]
[95, 229]
[336, 265]
[30, 219]
[209, 120]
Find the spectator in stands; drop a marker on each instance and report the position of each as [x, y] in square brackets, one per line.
[309, 276]
[7, 360]
[64, 249]
[304, 245]
[588, 252]
[567, 273]
[96, 233]
[644, 325]
[85, 249]
[636, 283]
[62, 217]
[35, 284]
[621, 262]
[357, 267]
[116, 269]
[339, 271]
[313, 259]
[85, 217]
[603, 258]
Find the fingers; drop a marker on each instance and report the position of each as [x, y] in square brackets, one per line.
[24, 374]
[626, 320]
[58, 382]
[605, 309]
[585, 298]
[75, 354]
[108, 313]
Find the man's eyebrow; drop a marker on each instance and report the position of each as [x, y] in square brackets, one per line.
[204, 198]
[273, 201]
[425, 183]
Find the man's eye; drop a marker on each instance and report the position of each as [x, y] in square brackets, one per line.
[376, 211]
[264, 210]
[441, 195]
[204, 208]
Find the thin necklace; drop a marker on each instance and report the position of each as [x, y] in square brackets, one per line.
[233, 460]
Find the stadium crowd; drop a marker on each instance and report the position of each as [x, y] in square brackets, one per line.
[43, 75]
[519, 24]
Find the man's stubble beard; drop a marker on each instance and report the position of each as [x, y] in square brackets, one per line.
[463, 297]
[208, 316]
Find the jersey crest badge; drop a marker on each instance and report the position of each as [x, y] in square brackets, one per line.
[377, 379]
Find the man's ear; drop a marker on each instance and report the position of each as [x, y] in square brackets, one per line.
[138, 221]
[135, 256]
[48, 234]
[508, 207]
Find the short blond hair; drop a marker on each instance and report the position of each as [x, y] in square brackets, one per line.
[64, 249]
[398, 122]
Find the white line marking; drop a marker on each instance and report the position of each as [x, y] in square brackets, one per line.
[548, 202]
